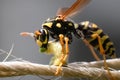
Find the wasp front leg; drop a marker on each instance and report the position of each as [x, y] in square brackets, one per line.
[61, 36]
[65, 51]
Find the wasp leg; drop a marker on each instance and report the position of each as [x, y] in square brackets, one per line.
[91, 49]
[64, 54]
[61, 37]
[67, 47]
[102, 51]
[67, 51]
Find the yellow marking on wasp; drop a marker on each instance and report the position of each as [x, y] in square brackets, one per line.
[104, 38]
[94, 26]
[45, 40]
[76, 26]
[83, 23]
[108, 45]
[111, 49]
[101, 38]
[58, 25]
[86, 23]
[98, 31]
[70, 24]
[95, 32]
[39, 43]
[46, 31]
[48, 24]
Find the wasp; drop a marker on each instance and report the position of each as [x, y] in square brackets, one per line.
[61, 29]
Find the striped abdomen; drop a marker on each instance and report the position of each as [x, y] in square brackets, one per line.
[88, 29]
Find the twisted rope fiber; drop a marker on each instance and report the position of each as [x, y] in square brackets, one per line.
[90, 70]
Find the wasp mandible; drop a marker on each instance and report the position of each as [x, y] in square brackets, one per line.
[61, 29]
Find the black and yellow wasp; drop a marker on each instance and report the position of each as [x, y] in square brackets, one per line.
[61, 29]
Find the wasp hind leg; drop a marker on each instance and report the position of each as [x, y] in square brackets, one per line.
[91, 49]
[102, 51]
[65, 51]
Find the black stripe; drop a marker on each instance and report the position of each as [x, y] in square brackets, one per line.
[105, 43]
[94, 42]
[80, 27]
[102, 34]
[108, 53]
[113, 52]
[108, 50]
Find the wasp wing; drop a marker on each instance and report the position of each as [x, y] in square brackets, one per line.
[75, 8]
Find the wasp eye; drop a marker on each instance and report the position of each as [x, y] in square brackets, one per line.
[43, 35]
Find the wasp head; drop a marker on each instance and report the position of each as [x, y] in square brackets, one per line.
[41, 38]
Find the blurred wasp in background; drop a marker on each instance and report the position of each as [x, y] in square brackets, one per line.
[61, 29]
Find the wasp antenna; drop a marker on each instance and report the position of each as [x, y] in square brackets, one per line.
[27, 34]
[37, 32]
